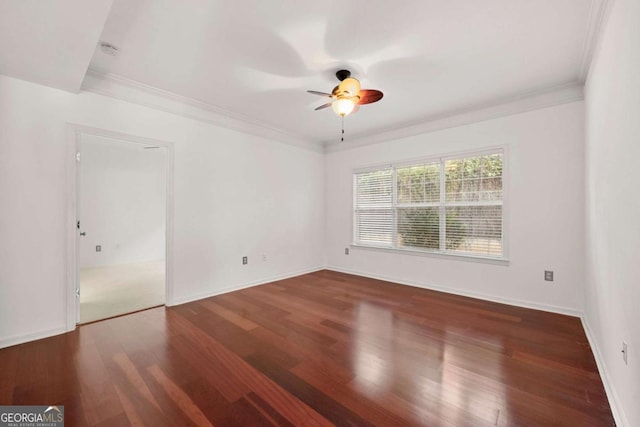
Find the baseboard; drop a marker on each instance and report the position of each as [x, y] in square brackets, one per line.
[478, 295]
[614, 401]
[21, 339]
[237, 287]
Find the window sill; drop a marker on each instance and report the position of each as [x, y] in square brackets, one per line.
[451, 257]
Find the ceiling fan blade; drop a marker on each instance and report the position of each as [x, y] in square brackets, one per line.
[368, 96]
[315, 92]
[328, 104]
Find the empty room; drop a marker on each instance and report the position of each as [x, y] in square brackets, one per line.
[414, 213]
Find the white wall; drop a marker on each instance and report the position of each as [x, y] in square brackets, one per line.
[234, 195]
[613, 204]
[545, 213]
[122, 202]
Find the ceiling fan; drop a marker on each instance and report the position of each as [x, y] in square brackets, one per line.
[347, 97]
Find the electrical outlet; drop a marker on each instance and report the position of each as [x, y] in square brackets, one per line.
[625, 352]
[245, 260]
[548, 275]
[98, 248]
[346, 251]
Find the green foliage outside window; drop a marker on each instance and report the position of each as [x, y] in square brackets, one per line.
[420, 228]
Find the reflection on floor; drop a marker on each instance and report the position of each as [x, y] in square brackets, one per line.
[118, 289]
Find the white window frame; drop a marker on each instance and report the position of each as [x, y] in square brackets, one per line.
[442, 158]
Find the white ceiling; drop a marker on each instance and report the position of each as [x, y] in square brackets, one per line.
[256, 59]
[50, 42]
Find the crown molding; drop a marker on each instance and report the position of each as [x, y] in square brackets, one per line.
[598, 14]
[522, 103]
[125, 89]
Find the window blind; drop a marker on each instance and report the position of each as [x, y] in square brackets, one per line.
[446, 205]
[374, 207]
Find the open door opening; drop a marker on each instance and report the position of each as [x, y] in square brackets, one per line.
[121, 227]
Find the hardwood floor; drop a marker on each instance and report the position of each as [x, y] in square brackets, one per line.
[320, 349]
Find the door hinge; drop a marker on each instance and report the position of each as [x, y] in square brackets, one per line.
[78, 225]
[78, 156]
[77, 292]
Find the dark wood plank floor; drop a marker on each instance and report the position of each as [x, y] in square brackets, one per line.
[320, 349]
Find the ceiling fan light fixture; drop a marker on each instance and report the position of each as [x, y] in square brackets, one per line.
[347, 96]
[343, 106]
[349, 87]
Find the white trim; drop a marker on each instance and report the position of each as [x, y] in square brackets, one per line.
[421, 159]
[436, 159]
[354, 226]
[544, 98]
[139, 93]
[442, 255]
[125, 89]
[442, 207]
[71, 271]
[506, 202]
[598, 14]
[20, 339]
[237, 287]
[510, 301]
[394, 209]
[606, 13]
[33, 336]
[612, 396]
[374, 168]
[598, 24]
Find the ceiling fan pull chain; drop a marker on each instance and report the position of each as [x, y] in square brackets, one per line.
[342, 137]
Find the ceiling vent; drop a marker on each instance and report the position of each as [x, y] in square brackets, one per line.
[108, 49]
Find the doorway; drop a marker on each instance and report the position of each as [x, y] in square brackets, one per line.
[121, 237]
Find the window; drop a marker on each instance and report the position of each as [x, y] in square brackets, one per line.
[449, 205]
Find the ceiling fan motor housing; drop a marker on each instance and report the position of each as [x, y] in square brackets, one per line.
[343, 74]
